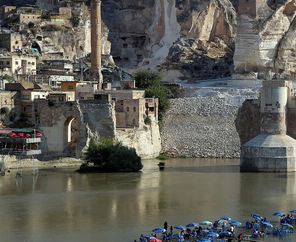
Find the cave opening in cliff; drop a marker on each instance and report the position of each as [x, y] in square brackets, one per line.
[36, 46]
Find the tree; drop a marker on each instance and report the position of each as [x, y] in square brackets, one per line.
[9, 78]
[151, 82]
[107, 156]
[145, 78]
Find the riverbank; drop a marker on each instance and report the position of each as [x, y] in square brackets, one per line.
[11, 162]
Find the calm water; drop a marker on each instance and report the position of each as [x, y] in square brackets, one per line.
[61, 205]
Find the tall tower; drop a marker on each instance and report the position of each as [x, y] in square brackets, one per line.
[273, 150]
[96, 49]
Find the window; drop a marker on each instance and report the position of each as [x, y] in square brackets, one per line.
[61, 99]
[25, 97]
[134, 109]
[53, 99]
[127, 109]
[25, 109]
[7, 62]
[16, 62]
[33, 63]
[70, 87]
[124, 46]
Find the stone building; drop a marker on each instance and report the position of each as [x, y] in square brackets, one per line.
[131, 106]
[15, 65]
[26, 18]
[65, 12]
[28, 92]
[6, 10]
[61, 97]
[11, 41]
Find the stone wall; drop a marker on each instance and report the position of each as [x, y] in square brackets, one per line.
[203, 125]
[92, 121]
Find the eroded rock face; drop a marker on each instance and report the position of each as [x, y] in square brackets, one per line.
[266, 42]
[148, 33]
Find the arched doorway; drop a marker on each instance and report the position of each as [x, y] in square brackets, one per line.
[71, 134]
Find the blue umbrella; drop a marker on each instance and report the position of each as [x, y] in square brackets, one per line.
[149, 236]
[180, 227]
[235, 223]
[256, 216]
[203, 240]
[293, 211]
[212, 234]
[267, 224]
[278, 214]
[226, 218]
[287, 225]
[159, 230]
[206, 223]
[227, 233]
[192, 225]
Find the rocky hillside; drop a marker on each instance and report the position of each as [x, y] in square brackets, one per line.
[174, 37]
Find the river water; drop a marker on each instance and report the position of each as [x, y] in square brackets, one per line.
[62, 205]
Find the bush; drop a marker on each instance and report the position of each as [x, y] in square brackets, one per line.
[123, 159]
[162, 157]
[147, 120]
[107, 156]
[4, 110]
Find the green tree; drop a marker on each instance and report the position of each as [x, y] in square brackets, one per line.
[7, 77]
[151, 82]
[107, 156]
[145, 78]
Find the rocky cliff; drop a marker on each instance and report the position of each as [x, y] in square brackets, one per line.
[265, 41]
[175, 37]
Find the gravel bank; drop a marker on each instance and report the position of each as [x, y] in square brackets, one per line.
[202, 125]
[11, 162]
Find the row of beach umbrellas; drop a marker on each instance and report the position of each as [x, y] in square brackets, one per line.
[221, 220]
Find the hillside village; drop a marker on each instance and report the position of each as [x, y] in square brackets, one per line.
[38, 82]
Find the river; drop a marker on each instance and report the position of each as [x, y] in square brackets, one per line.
[62, 205]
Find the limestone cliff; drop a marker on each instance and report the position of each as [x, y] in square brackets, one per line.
[147, 34]
[68, 39]
[265, 42]
[146, 141]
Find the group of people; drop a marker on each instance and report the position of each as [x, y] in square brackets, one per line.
[290, 219]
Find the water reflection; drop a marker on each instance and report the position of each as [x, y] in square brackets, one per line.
[61, 205]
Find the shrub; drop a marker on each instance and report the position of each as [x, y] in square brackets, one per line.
[162, 157]
[4, 110]
[147, 120]
[107, 156]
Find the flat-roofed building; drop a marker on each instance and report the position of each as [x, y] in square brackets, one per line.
[15, 65]
[11, 41]
[29, 17]
[6, 10]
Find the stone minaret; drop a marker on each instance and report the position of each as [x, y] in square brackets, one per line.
[96, 51]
